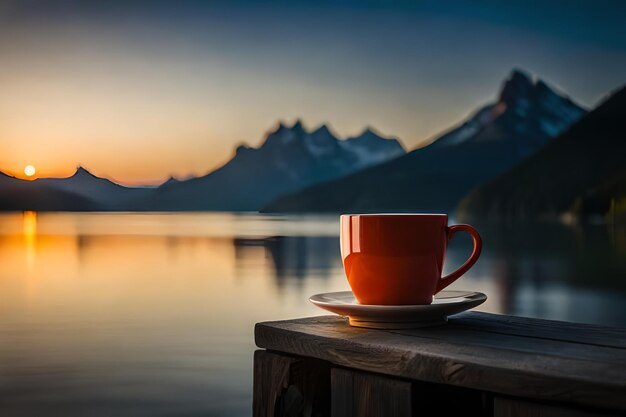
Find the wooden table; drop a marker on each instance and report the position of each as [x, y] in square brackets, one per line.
[477, 364]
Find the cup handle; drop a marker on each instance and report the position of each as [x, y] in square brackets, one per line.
[478, 246]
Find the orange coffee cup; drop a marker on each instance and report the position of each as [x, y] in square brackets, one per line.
[397, 259]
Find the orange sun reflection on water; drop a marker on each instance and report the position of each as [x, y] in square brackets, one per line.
[29, 230]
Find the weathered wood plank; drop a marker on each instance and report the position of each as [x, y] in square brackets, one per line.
[545, 329]
[271, 378]
[534, 346]
[507, 407]
[342, 392]
[434, 355]
[288, 386]
[358, 394]
[351, 396]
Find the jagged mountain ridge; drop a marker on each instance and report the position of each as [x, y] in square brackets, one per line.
[526, 115]
[533, 112]
[582, 170]
[290, 158]
[20, 195]
[103, 192]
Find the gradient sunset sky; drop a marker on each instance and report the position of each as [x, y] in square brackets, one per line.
[139, 90]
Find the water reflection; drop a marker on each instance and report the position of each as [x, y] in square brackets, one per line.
[559, 271]
[294, 258]
[30, 236]
[152, 314]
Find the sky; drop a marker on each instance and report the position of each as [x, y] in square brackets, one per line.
[137, 91]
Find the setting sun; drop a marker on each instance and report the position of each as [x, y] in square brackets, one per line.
[29, 170]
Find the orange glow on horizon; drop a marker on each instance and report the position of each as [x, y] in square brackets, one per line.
[148, 174]
[134, 178]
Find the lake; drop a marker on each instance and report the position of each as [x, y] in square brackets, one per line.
[133, 314]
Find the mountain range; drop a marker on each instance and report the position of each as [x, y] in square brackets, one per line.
[102, 192]
[582, 171]
[526, 115]
[290, 158]
[531, 152]
[17, 195]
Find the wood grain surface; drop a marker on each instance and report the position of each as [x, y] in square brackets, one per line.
[359, 394]
[550, 360]
[290, 387]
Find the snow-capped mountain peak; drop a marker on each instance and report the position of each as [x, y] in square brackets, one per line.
[529, 109]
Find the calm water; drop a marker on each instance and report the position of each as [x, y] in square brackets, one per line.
[153, 314]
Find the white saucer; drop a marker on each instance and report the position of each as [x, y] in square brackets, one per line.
[445, 303]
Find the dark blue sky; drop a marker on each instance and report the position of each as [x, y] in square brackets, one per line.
[189, 79]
